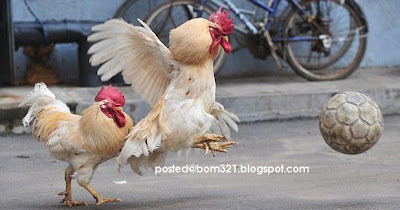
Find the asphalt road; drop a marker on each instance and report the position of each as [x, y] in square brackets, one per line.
[31, 179]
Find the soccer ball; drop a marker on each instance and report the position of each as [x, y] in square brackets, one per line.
[351, 123]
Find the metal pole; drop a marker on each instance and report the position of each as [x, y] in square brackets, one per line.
[7, 70]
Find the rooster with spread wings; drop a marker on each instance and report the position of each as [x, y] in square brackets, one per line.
[178, 82]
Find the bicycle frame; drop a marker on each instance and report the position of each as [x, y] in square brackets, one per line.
[272, 13]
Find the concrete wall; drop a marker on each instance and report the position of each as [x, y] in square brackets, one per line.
[383, 18]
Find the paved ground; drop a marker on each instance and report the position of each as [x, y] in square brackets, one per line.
[30, 179]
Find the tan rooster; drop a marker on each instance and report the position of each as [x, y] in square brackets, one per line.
[178, 82]
[83, 141]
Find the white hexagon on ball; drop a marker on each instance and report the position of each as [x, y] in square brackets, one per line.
[351, 123]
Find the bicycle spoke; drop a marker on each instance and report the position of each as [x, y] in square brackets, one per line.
[310, 54]
[345, 38]
[171, 16]
[354, 31]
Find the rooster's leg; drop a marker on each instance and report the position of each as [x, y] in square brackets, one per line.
[98, 197]
[213, 142]
[68, 193]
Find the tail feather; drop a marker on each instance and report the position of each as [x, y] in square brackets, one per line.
[156, 158]
[145, 152]
[39, 98]
[139, 148]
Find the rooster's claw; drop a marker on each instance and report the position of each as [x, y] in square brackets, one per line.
[68, 200]
[213, 142]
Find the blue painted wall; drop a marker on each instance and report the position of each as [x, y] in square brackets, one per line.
[383, 17]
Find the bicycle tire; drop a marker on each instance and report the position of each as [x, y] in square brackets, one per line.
[310, 72]
[124, 6]
[220, 60]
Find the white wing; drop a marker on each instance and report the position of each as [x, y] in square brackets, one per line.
[136, 52]
[223, 120]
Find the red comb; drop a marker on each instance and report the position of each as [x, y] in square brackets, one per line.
[222, 19]
[116, 97]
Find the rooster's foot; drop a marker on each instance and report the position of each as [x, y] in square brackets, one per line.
[69, 202]
[213, 142]
[99, 199]
[102, 200]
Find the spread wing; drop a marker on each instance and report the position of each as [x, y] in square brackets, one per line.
[223, 120]
[136, 52]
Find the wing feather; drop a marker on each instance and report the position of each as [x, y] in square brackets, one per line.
[223, 120]
[136, 52]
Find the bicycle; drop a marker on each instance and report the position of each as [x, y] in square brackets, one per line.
[304, 26]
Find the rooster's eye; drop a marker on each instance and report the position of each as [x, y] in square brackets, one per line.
[109, 105]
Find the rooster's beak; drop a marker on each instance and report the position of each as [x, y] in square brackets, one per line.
[226, 38]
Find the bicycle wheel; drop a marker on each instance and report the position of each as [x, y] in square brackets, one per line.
[130, 10]
[338, 40]
[172, 14]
